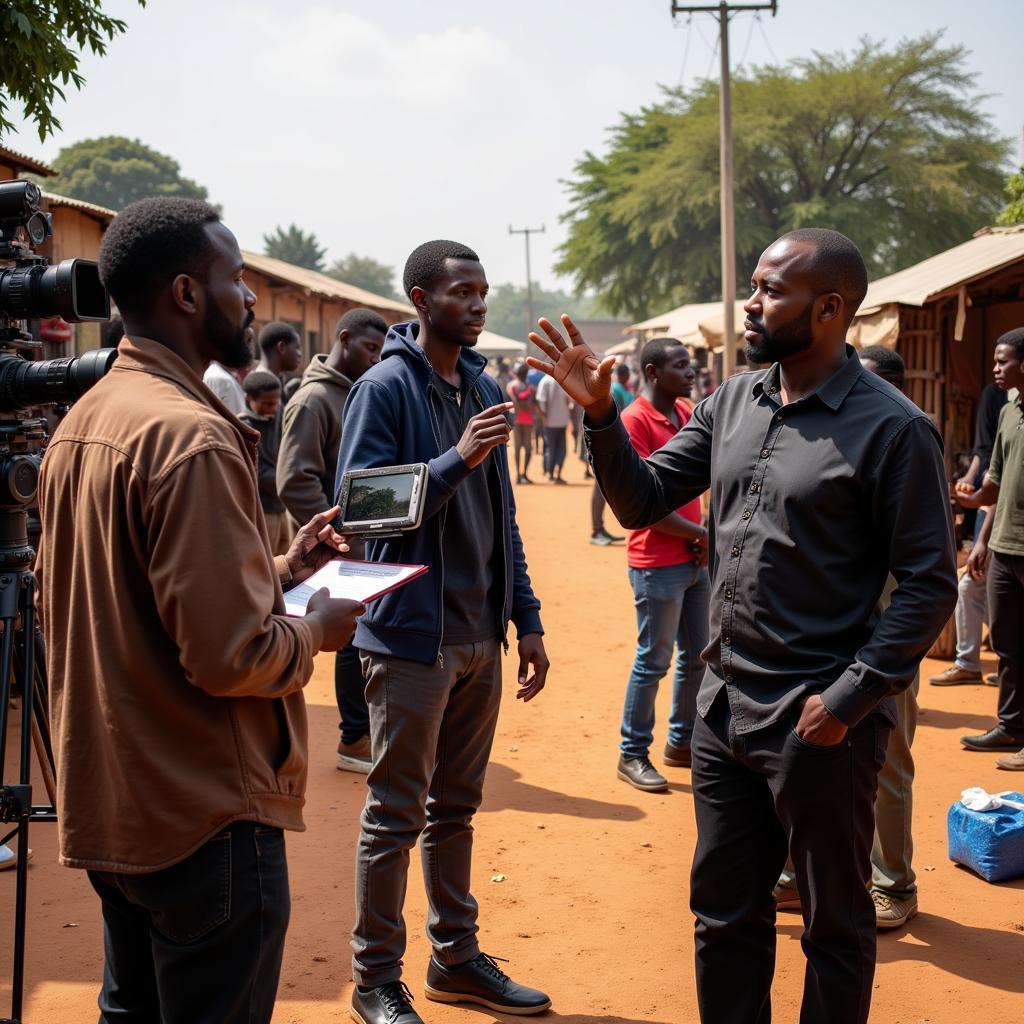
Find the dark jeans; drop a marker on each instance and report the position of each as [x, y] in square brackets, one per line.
[554, 450]
[1006, 627]
[350, 693]
[756, 794]
[200, 942]
[597, 505]
[432, 729]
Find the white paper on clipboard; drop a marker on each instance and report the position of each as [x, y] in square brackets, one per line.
[353, 580]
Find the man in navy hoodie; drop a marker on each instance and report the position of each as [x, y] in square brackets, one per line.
[432, 649]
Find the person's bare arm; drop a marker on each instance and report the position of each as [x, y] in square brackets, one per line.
[977, 561]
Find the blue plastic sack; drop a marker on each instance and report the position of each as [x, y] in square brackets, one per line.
[990, 843]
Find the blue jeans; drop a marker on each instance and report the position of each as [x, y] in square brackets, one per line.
[671, 611]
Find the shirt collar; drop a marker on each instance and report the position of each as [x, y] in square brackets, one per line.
[833, 392]
[646, 404]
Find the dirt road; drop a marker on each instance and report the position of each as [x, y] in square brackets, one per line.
[591, 901]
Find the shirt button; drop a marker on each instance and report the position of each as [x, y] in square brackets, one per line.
[735, 552]
[754, 488]
[746, 514]
[728, 679]
[727, 640]
[765, 453]
[728, 593]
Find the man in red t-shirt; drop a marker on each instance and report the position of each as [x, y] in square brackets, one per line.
[668, 573]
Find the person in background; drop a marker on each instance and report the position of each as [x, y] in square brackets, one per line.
[224, 383]
[669, 576]
[281, 354]
[554, 410]
[524, 412]
[306, 467]
[263, 414]
[179, 727]
[972, 600]
[998, 555]
[621, 394]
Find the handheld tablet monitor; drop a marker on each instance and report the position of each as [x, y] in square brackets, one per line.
[383, 501]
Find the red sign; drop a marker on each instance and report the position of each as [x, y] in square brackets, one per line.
[56, 330]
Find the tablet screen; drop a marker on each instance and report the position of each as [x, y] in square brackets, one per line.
[379, 497]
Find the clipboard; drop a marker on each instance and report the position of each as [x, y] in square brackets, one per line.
[353, 580]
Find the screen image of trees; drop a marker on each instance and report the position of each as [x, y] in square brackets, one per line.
[382, 497]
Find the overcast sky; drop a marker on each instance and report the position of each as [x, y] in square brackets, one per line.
[378, 126]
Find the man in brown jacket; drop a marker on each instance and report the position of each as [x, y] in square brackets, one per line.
[306, 465]
[178, 718]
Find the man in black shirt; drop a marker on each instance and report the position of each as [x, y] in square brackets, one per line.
[824, 480]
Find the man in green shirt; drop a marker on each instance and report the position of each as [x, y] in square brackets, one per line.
[999, 555]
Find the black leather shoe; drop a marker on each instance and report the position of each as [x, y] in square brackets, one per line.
[995, 739]
[482, 981]
[677, 757]
[385, 1004]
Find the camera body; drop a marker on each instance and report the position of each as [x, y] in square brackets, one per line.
[31, 288]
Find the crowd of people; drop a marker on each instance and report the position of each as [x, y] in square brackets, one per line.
[796, 600]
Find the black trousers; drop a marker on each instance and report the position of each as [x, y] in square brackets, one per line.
[757, 795]
[350, 693]
[200, 942]
[1006, 624]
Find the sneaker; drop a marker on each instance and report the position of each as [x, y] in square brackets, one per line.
[613, 538]
[482, 981]
[602, 540]
[1011, 763]
[639, 772]
[560, 481]
[355, 757]
[676, 757]
[991, 679]
[787, 897]
[955, 676]
[893, 911]
[9, 858]
[385, 1004]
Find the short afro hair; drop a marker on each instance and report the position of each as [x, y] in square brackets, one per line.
[891, 366]
[149, 243]
[837, 263]
[277, 331]
[1015, 339]
[356, 321]
[260, 382]
[657, 352]
[426, 262]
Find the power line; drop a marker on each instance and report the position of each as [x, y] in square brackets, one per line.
[750, 35]
[767, 41]
[686, 50]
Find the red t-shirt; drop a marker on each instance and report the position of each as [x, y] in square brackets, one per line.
[649, 430]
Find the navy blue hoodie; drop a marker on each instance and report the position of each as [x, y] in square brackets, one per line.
[391, 420]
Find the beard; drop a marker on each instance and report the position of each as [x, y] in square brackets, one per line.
[787, 340]
[230, 342]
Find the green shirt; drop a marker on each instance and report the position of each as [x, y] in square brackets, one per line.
[1007, 470]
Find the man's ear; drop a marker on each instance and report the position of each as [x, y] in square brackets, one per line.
[418, 297]
[831, 308]
[184, 293]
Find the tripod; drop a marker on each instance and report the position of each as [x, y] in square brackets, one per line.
[22, 659]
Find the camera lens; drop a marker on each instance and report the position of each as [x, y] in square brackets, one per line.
[70, 289]
[50, 381]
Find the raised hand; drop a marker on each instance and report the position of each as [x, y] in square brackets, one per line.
[586, 379]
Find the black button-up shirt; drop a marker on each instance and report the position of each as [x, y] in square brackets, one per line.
[813, 504]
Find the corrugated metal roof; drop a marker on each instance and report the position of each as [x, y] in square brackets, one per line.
[321, 284]
[102, 212]
[987, 251]
[35, 166]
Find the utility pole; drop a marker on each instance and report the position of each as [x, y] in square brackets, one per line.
[723, 10]
[531, 323]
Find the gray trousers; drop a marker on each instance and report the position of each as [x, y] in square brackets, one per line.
[431, 729]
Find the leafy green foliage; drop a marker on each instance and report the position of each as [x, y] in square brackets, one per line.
[113, 171]
[887, 146]
[296, 247]
[38, 54]
[1013, 212]
[364, 272]
[507, 308]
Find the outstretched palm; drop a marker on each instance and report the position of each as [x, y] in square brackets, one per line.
[580, 374]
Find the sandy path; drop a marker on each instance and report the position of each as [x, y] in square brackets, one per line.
[593, 902]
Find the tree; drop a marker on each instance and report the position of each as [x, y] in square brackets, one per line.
[296, 247]
[887, 146]
[364, 272]
[113, 171]
[37, 37]
[508, 308]
[1013, 212]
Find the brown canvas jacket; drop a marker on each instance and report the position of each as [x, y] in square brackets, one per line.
[175, 677]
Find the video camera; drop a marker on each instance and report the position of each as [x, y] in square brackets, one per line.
[31, 289]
